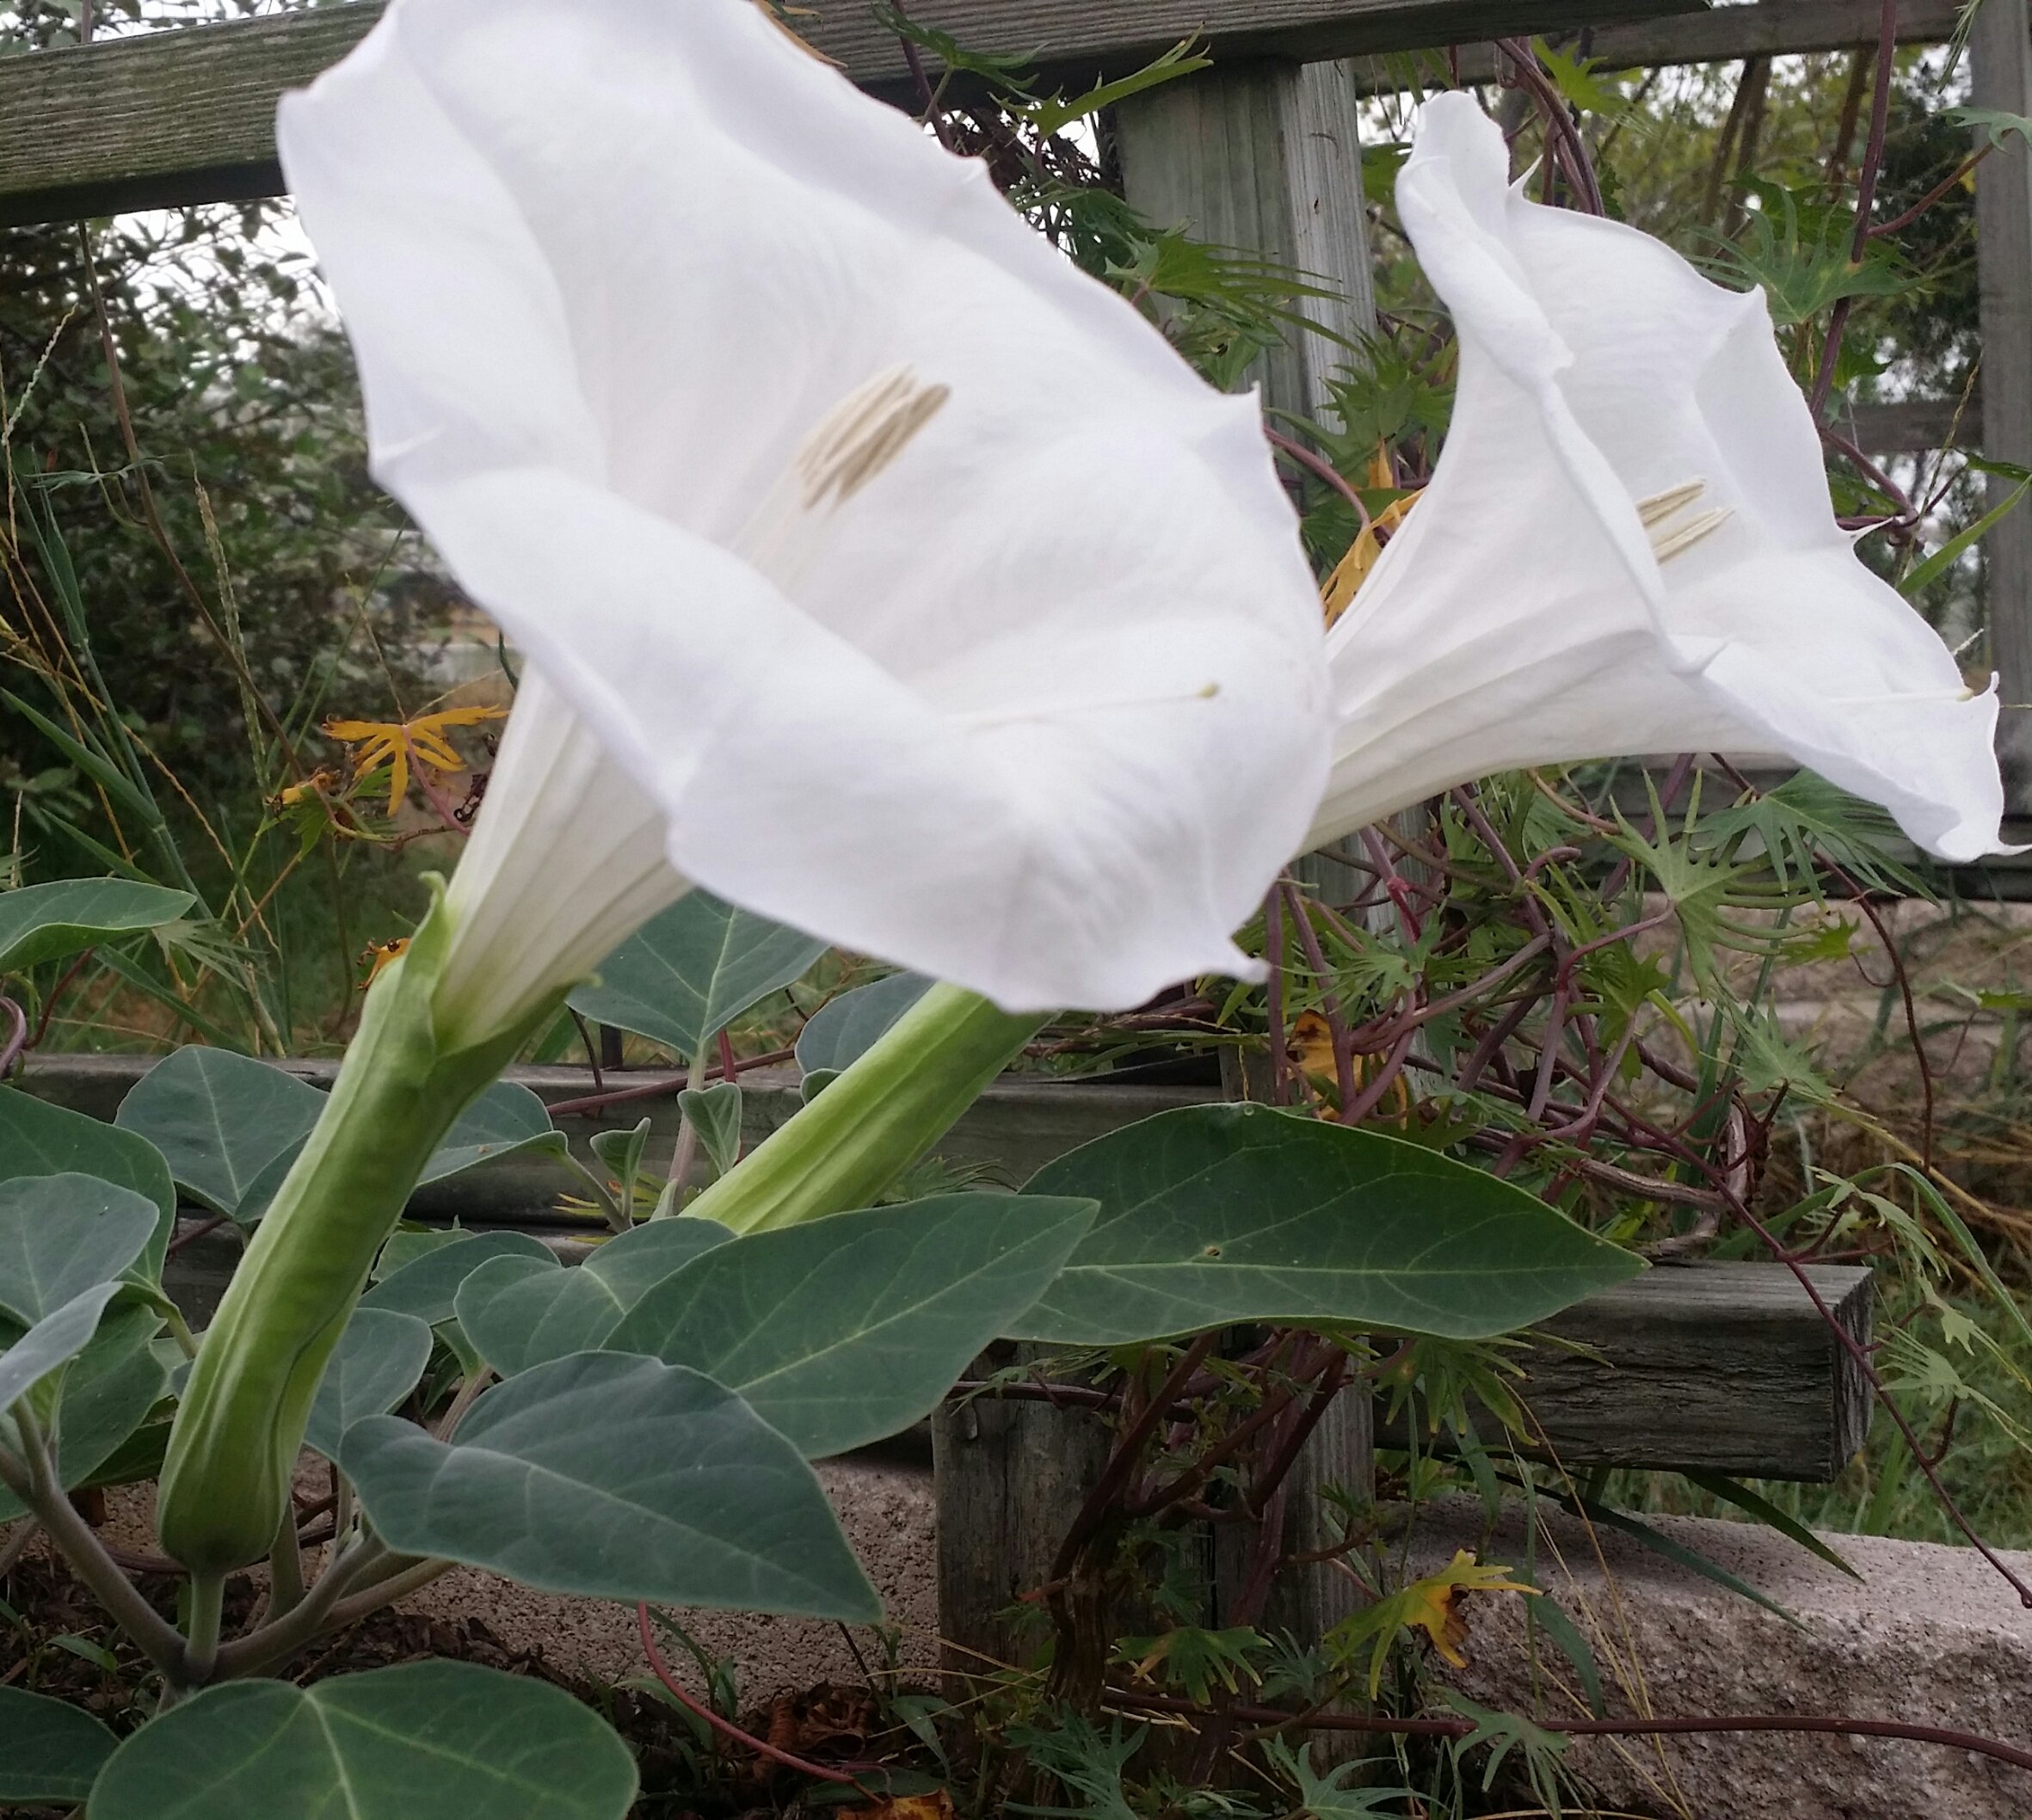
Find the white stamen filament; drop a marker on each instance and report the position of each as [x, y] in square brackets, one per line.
[981, 719]
[859, 438]
[1672, 533]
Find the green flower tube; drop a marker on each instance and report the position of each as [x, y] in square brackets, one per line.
[882, 1114]
[240, 1424]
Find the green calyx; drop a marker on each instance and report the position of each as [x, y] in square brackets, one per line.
[240, 1424]
[850, 1144]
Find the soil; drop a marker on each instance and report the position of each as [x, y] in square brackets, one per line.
[58, 1642]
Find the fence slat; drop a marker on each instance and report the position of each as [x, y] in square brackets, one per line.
[2000, 48]
[187, 116]
[1767, 28]
[1267, 156]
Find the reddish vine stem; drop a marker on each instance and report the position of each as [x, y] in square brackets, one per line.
[10, 1051]
[1316, 958]
[1272, 1721]
[662, 1089]
[1867, 177]
[55, 995]
[726, 1727]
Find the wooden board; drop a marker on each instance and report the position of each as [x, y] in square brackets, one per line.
[1726, 1368]
[1012, 1131]
[1769, 27]
[2000, 50]
[187, 116]
[1723, 1368]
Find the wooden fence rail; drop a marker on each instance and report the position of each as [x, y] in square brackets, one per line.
[171, 118]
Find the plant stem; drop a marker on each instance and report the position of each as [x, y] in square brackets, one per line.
[286, 1569]
[35, 1483]
[850, 1142]
[207, 1607]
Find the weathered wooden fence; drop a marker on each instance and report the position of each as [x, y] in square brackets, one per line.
[1725, 1368]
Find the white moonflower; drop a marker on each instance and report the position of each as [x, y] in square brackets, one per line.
[873, 568]
[1628, 545]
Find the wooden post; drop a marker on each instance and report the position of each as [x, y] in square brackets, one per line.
[1267, 158]
[2001, 46]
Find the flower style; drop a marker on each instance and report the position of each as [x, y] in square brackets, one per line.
[1627, 545]
[872, 568]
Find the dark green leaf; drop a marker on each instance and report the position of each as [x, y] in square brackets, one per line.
[49, 1750]
[519, 1314]
[715, 1114]
[842, 1031]
[505, 1119]
[428, 1287]
[108, 1393]
[1214, 1214]
[1754, 1504]
[686, 975]
[443, 1739]
[38, 1139]
[616, 1477]
[60, 1234]
[376, 1364]
[40, 923]
[221, 1120]
[51, 1342]
[844, 1329]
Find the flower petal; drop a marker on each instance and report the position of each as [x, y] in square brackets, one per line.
[1524, 595]
[1039, 709]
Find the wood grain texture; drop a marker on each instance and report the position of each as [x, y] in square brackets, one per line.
[1913, 426]
[1722, 35]
[1722, 1368]
[2000, 52]
[187, 116]
[1726, 1368]
[1012, 1131]
[1267, 158]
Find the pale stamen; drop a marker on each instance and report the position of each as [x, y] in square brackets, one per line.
[1670, 502]
[1673, 533]
[978, 720]
[856, 440]
[864, 433]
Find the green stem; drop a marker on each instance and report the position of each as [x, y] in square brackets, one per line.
[885, 1112]
[225, 1486]
[207, 1610]
[286, 1567]
[34, 1482]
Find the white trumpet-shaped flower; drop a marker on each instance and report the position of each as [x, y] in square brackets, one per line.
[1627, 545]
[873, 569]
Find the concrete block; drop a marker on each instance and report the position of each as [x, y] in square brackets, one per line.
[1929, 1635]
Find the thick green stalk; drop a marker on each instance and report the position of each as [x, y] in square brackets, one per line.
[877, 1118]
[238, 1429]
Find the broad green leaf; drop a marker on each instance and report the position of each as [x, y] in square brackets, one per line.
[108, 1393]
[38, 1139]
[406, 1246]
[519, 1314]
[377, 1361]
[60, 1234]
[50, 1752]
[844, 1329]
[840, 1032]
[505, 1119]
[427, 1286]
[1215, 1215]
[51, 1342]
[40, 923]
[688, 974]
[616, 1477]
[221, 1121]
[443, 1739]
[715, 1114]
[620, 1155]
